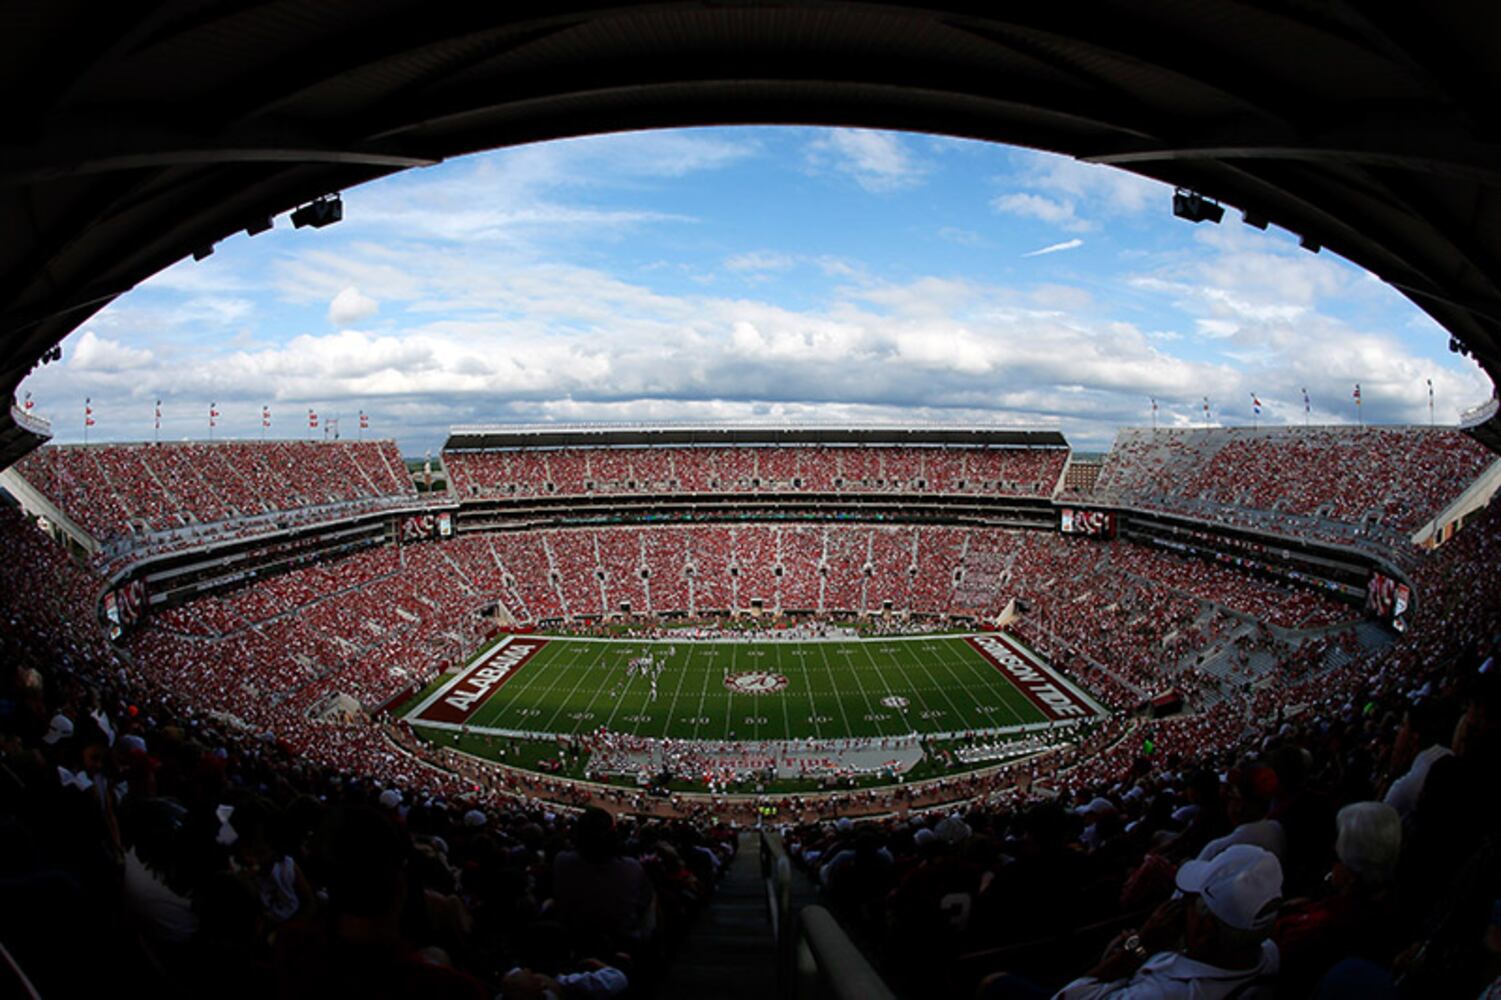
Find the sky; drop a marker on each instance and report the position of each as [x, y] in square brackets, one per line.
[753, 275]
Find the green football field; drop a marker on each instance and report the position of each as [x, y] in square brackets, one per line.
[753, 691]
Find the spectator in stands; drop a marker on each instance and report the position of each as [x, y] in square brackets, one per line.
[598, 893]
[1248, 794]
[1423, 739]
[363, 945]
[1358, 914]
[1225, 916]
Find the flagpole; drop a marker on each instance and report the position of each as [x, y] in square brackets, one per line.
[1430, 402]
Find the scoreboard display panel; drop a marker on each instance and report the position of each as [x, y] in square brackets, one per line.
[1095, 523]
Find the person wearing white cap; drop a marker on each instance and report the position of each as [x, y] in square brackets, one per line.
[1225, 917]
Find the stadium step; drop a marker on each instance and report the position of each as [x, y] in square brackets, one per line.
[729, 952]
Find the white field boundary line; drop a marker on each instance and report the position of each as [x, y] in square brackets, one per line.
[413, 717]
[768, 640]
[851, 742]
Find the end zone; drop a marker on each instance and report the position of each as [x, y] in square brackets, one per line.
[454, 702]
[1054, 697]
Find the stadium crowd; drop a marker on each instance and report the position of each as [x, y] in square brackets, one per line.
[1370, 487]
[1362, 800]
[200, 813]
[138, 499]
[581, 471]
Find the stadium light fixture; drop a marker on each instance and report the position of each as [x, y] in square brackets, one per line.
[1310, 244]
[258, 226]
[1195, 207]
[204, 251]
[319, 212]
[1253, 220]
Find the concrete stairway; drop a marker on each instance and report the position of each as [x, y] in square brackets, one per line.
[730, 952]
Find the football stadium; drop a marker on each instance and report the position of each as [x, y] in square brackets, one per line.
[839, 707]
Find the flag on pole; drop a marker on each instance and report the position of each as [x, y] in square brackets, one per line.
[1307, 405]
[1255, 404]
[1206, 409]
[265, 417]
[364, 421]
[1357, 393]
[158, 416]
[213, 415]
[88, 411]
[312, 420]
[28, 404]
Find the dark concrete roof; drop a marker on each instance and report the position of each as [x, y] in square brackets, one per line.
[485, 438]
[135, 133]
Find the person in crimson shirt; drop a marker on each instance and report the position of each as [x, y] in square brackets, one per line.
[366, 943]
[1358, 917]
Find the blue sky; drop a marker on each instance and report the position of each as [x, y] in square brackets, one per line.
[771, 275]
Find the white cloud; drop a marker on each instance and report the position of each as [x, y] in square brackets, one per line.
[760, 260]
[351, 306]
[1036, 206]
[1074, 195]
[880, 162]
[485, 320]
[100, 354]
[1107, 189]
[1055, 248]
[512, 198]
[963, 237]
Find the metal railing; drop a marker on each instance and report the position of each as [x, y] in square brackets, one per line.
[816, 960]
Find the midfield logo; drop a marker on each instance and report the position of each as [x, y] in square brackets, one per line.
[755, 682]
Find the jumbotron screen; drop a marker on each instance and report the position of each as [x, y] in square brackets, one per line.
[1388, 600]
[1096, 523]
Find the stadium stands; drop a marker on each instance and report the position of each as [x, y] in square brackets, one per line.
[255, 673]
[256, 699]
[585, 471]
[182, 493]
[1370, 486]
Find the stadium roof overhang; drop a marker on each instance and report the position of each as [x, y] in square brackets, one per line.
[502, 436]
[136, 134]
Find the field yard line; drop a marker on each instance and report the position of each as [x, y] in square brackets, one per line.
[786, 703]
[703, 692]
[497, 704]
[583, 673]
[597, 692]
[802, 662]
[942, 689]
[869, 710]
[965, 719]
[561, 671]
[672, 709]
[902, 712]
[621, 702]
[988, 674]
[729, 703]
